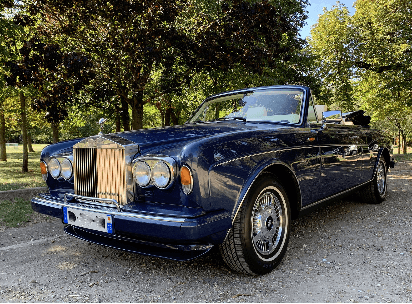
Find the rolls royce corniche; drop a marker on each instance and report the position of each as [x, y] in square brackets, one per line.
[233, 176]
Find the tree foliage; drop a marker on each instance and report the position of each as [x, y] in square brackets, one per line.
[125, 39]
[130, 41]
[331, 43]
[369, 55]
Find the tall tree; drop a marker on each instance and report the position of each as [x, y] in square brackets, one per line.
[383, 39]
[3, 154]
[126, 39]
[7, 29]
[383, 53]
[11, 33]
[234, 41]
[331, 43]
[56, 76]
[130, 40]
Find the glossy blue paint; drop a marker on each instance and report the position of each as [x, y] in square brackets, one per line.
[226, 157]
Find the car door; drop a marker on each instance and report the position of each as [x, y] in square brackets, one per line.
[306, 164]
[341, 165]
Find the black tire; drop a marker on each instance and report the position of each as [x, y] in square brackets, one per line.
[375, 192]
[259, 237]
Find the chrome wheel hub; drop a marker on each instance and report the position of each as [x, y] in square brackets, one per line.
[266, 222]
[381, 179]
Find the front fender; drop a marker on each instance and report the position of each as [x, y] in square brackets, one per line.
[231, 181]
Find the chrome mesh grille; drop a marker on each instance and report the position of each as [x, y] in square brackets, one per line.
[100, 172]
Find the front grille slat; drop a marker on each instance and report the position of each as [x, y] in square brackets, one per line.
[100, 172]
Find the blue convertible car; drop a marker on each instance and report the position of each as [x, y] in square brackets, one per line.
[234, 175]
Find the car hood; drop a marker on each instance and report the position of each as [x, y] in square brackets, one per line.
[157, 141]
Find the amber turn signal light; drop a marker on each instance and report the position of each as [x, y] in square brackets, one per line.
[186, 179]
[43, 168]
[185, 176]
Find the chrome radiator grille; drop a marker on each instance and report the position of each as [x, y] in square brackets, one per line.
[100, 172]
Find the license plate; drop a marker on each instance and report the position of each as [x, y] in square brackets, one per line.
[87, 219]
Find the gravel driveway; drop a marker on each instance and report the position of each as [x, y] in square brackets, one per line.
[346, 252]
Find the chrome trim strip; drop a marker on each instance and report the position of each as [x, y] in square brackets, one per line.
[262, 153]
[335, 195]
[277, 151]
[90, 200]
[58, 202]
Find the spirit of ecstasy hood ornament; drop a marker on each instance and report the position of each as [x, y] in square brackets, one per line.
[101, 123]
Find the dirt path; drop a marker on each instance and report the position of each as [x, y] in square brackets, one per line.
[346, 252]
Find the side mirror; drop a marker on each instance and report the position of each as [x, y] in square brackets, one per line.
[333, 117]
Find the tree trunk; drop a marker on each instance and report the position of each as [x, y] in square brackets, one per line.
[25, 167]
[125, 115]
[405, 147]
[399, 141]
[168, 113]
[30, 143]
[137, 112]
[162, 116]
[117, 119]
[217, 111]
[174, 117]
[55, 130]
[3, 153]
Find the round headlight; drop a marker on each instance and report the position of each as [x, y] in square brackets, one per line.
[54, 168]
[67, 169]
[161, 174]
[141, 173]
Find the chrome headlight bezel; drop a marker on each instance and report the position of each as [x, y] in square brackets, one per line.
[66, 172]
[144, 167]
[54, 167]
[161, 175]
[151, 162]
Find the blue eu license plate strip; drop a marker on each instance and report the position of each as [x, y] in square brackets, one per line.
[65, 216]
[88, 219]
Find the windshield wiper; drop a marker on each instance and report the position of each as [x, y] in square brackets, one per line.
[281, 122]
[195, 122]
[233, 118]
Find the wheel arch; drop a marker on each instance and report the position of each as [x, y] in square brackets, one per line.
[386, 157]
[283, 175]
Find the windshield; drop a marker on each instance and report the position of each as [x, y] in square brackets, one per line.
[274, 105]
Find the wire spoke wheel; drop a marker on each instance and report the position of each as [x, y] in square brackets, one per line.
[258, 239]
[267, 222]
[381, 178]
[376, 190]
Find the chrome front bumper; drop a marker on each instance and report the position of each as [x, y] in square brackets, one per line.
[179, 238]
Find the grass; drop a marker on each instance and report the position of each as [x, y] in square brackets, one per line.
[402, 157]
[14, 213]
[11, 177]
